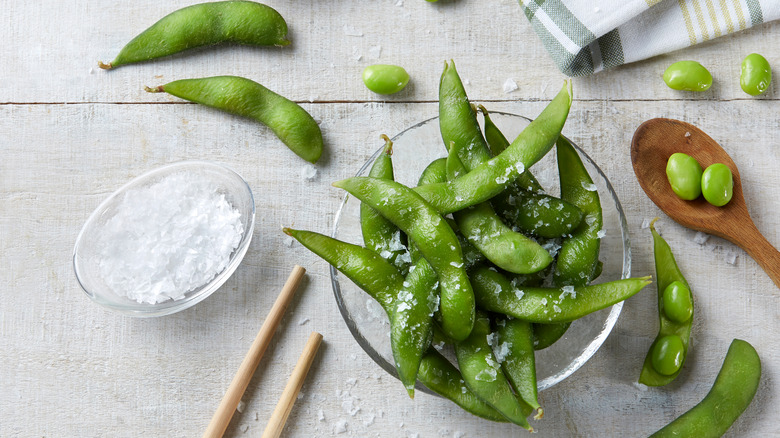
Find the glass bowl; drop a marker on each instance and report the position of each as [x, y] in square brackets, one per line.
[86, 256]
[413, 149]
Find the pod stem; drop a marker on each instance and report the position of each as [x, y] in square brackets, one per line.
[105, 66]
[157, 89]
[388, 144]
[539, 413]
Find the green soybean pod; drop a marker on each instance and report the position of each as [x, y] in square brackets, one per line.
[236, 95]
[483, 375]
[495, 293]
[756, 74]
[688, 76]
[667, 273]
[717, 184]
[515, 341]
[205, 24]
[684, 175]
[440, 376]
[385, 78]
[733, 390]
[379, 234]
[434, 238]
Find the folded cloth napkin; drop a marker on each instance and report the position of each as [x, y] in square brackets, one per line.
[587, 36]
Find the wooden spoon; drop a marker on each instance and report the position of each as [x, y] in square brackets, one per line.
[654, 142]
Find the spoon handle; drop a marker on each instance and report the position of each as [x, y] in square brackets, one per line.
[756, 245]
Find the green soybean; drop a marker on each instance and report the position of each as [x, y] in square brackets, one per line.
[717, 184]
[668, 277]
[385, 78]
[205, 24]
[688, 76]
[668, 355]
[684, 175]
[756, 74]
[733, 390]
[236, 95]
[678, 302]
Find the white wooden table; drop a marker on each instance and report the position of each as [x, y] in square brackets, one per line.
[70, 134]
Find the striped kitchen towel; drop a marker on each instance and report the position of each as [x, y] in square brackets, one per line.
[585, 37]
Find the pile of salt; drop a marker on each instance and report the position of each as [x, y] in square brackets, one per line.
[167, 239]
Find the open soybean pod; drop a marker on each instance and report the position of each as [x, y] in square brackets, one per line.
[236, 95]
[205, 24]
[667, 354]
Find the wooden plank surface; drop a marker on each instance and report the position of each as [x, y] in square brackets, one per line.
[71, 134]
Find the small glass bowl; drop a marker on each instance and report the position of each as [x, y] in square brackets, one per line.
[86, 258]
[413, 149]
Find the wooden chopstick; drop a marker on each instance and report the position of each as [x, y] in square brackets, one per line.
[235, 391]
[290, 393]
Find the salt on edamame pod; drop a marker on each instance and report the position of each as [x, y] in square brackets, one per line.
[666, 273]
[515, 339]
[205, 24]
[498, 143]
[495, 293]
[507, 249]
[493, 176]
[731, 394]
[370, 272]
[484, 377]
[236, 95]
[434, 238]
[441, 377]
[379, 234]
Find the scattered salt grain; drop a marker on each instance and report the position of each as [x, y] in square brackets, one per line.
[240, 407]
[399, 3]
[502, 351]
[589, 186]
[308, 172]
[351, 31]
[731, 257]
[596, 9]
[646, 223]
[687, 134]
[467, 82]
[303, 321]
[374, 52]
[701, 238]
[321, 415]
[601, 234]
[167, 239]
[244, 428]
[510, 85]
[640, 386]
[486, 375]
[340, 426]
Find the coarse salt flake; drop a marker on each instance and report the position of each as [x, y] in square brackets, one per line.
[167, 239]
[510, 85]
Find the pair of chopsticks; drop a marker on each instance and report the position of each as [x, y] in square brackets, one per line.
[224, 413]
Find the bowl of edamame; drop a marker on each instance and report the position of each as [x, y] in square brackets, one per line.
[412, 150]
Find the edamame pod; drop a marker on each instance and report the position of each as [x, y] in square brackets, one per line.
[434, 238]
[379, 234]
[667, 273]
[205, 24]
[493, 176]
[438, 374]
[507, 249]
[370, 272]
[493, 292]
[731, 394]
[483, 375]
[515, 338]
[498, 143]
[236, 95]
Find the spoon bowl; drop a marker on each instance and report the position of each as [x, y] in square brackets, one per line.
[653, 143]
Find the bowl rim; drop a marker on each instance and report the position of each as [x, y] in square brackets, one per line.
[146, 310]
[548, 382]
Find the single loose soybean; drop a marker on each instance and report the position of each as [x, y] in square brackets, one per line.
[385, 78]
[688, 76]
[717, 184]
[678, 302]
[684, 175]
[756, 74]
[668, 355]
